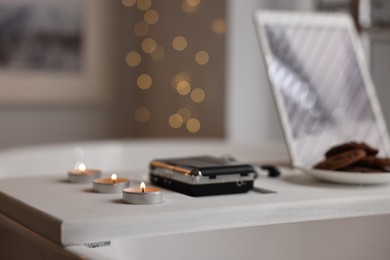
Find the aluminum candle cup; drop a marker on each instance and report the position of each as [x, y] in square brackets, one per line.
[83, 175]
[142, 195]
[110, 185]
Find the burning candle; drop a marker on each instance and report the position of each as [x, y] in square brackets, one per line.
[110, 185]
[142, 195]
[83, 175]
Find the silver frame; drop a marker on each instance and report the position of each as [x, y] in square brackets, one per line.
[186, 176]
[337, 20]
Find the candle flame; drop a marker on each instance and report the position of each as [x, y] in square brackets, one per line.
[142, 186]
[114, 178]
[81, 166]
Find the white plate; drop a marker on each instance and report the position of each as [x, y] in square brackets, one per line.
[347, 177]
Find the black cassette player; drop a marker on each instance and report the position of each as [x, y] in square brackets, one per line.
[202, 175]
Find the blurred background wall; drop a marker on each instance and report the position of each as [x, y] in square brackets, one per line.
[164, 70]
[177, 68]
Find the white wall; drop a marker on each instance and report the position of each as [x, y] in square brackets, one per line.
[250, 111]
[30, 124]
[35, 125]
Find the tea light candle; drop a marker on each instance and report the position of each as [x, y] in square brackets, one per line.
[110, 185]
[142, 195]
[83, 175]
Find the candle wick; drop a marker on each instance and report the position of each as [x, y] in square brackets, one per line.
[143, 190]
[113, 181]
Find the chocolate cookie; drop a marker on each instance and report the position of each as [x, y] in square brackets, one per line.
[374, 162]
[364, 169]
[341, 160]
[351, 146]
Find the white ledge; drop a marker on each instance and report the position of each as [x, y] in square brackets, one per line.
[71, 214]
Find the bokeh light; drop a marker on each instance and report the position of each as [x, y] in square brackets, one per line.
[144, 81]
[144, 5]
[141, 29]
[151, 16]
[178, 53]
[218, 26]
[175, 121]
[193, 125]
[158, 53]
[187, 8]
[133, 59]
[129, 3]
[198, 95]
[190, 6]
[148, 45]
[185, 113]
[179, 43]
[142, 114]
[183, 87]
[180, 77]
[202, 57]
[193, 2]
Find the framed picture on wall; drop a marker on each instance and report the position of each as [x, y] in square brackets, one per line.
[50, 52]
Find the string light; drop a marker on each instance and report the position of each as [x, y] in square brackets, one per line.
[193, 2]
[180, 77]
[148, 45]
[151, 16]
[158, 53]
[198, 95]
[144, 81]
[193, 125]
[129, 3]
[202, 57]
[142, 114]
[181, 82]
[175, 121]
[133, 59]
[189, 6]
[183, 87]
[179, 43]
[218, 26]
[141, 29]
[144, 5]
[185, 113]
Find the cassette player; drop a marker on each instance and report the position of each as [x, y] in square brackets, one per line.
[202, 175]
